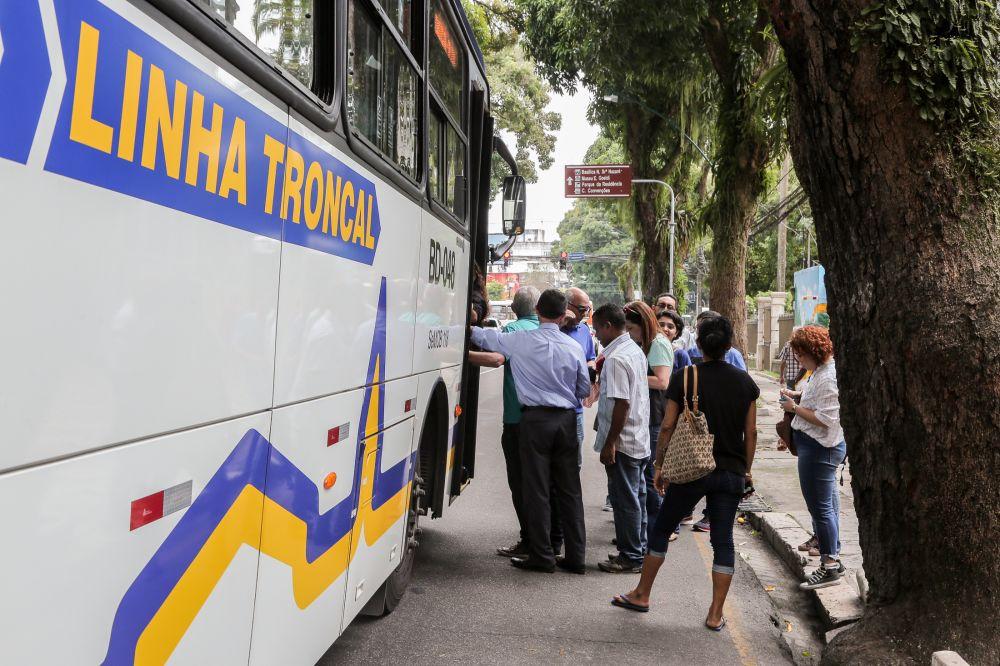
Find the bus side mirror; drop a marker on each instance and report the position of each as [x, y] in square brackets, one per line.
[514, 212]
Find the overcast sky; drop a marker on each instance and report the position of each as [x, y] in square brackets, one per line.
[546, 203]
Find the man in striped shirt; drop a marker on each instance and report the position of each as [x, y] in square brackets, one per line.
[623, 436]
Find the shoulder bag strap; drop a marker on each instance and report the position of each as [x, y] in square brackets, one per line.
[684, 396]
[694, 394]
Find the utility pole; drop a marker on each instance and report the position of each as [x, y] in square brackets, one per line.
[786, 169]
[673, 225]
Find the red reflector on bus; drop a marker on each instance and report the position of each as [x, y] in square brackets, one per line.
[409, 405]
[338, 434]
[146, 510]
[156, 506]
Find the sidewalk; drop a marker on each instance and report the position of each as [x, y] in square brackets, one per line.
[788, 523]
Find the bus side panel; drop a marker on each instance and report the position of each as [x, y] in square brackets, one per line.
[378, 531]
[307, 529]
[328, 302]
[145, 551]
[442, 300]
[128, 310]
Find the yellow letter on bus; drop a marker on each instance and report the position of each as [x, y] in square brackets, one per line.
[83, 128]
[130, 106]
[164, 122]
[331, 205]
[201, 141]
[275, 151]
[292, 189]
[234, 174]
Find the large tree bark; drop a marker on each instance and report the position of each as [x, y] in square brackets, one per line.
[913, 278]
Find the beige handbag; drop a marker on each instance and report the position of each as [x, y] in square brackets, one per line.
[689, 454]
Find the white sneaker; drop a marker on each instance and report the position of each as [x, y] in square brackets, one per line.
[822, 577]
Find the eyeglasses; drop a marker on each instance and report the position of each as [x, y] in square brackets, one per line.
[582, 309]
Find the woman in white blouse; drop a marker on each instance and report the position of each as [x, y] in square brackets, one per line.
[819, 440]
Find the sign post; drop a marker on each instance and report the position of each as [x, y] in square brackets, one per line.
[589, 181]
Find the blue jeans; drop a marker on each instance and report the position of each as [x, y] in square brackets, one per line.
[818, 479]
[723, 491]
[653, 499]
[628, 499]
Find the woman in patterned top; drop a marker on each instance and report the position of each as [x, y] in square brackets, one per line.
[819, 441]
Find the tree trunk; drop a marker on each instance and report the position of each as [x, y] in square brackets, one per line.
[742, 155]
[913, 282]
[655, 274]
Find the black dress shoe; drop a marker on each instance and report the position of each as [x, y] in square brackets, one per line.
[531, 565]
[571, 568]
[519, 549]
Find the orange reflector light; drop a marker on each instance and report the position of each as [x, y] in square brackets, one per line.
[330, 479]
[458, 411]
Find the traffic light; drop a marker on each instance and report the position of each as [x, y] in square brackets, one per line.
[563, 258]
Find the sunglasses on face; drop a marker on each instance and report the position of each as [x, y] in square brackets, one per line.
[582, 309]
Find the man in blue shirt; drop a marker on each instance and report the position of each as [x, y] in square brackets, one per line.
[575, 326]
[733, 356]
[523, 306]
[551, 378]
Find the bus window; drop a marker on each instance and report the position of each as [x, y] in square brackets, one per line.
[446, 63]
[400, 13]
[383, 99]
[401, 97]
[281, 29]
[436, 127]
[364, 63]
[455, 196]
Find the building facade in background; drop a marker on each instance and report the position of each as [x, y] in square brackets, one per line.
[528, 262]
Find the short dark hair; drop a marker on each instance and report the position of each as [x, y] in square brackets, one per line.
[715, 336]
[668, 295]
[674, 317]
[551, 304]
[705, 314]
[611, 314]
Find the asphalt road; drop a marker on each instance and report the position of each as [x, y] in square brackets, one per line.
[467, 605]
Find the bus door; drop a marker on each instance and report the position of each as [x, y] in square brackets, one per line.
[480, 158]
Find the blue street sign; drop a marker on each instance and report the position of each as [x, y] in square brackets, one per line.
[577, 256]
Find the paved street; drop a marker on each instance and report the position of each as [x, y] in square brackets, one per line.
[467, 605]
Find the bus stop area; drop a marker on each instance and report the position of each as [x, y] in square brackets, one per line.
[467, 605]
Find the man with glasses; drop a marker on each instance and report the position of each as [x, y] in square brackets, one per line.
[575, 326]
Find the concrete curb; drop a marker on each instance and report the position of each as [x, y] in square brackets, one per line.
[838, 605]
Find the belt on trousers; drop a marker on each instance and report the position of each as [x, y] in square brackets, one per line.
[543, 408]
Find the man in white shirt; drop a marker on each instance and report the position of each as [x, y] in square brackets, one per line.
[623, 436]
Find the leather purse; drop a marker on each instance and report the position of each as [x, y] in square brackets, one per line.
[689, 454]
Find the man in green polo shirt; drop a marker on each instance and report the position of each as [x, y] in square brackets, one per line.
[523, 306]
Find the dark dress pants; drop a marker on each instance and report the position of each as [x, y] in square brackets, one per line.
[510, 443]
[551, 476]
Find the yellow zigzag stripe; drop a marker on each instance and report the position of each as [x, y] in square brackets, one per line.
[283, 537]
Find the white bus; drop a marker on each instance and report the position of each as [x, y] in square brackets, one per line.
[236, 243]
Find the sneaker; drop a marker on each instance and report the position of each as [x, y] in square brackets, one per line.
[519, 549]
[702, 525]
[620, 565]
[687, 521]
[824, 576]
[811, 544]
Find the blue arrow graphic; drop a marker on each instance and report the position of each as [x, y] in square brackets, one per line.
[24, 76]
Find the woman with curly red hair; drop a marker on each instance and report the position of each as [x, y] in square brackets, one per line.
[819, 440]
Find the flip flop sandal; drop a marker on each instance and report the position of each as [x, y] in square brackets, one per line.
[718, 628]
[623, 602]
